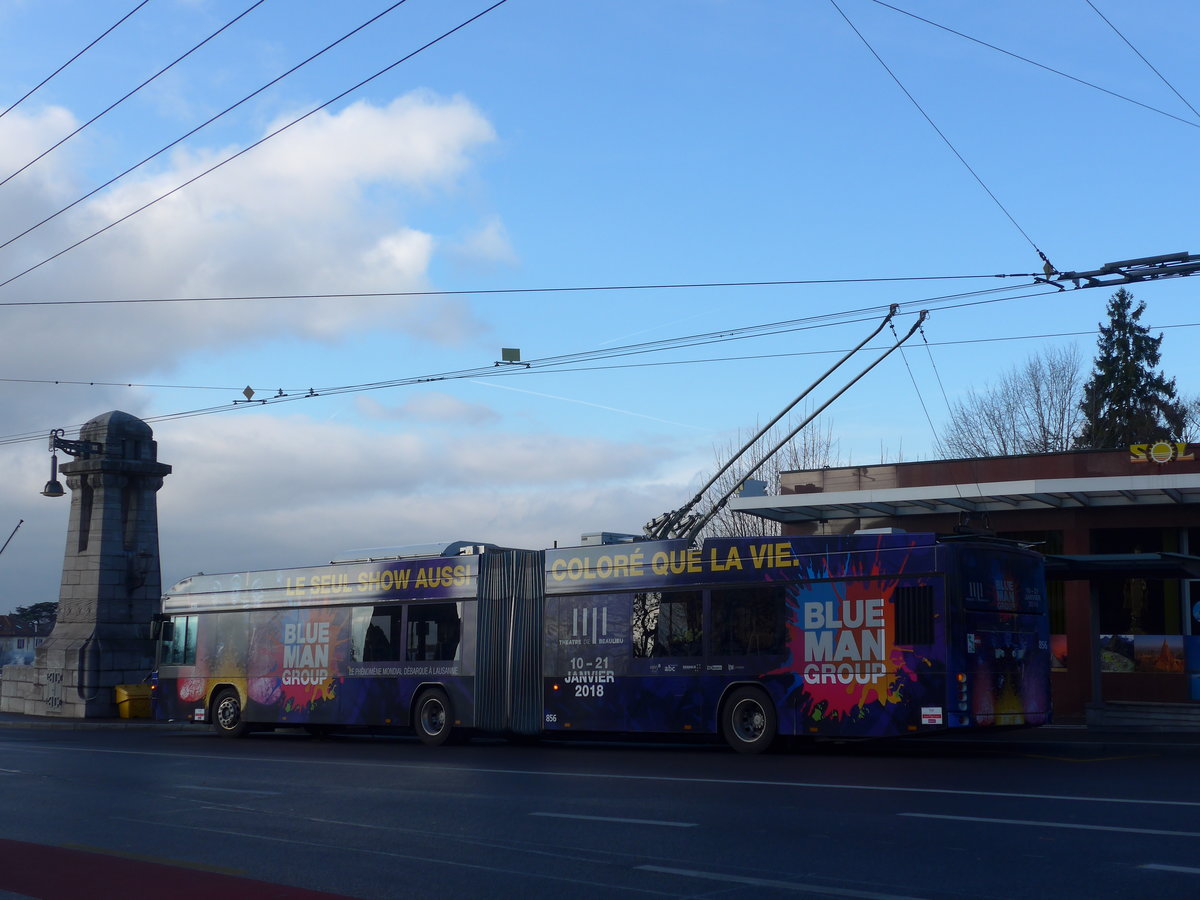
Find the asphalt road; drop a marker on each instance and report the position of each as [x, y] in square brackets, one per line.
[123, 813]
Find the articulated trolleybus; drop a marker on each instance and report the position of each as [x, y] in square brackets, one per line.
[850, 636]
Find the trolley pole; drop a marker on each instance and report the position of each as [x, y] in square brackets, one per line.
[20, 522]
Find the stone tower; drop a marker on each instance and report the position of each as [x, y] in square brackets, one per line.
[111, 578]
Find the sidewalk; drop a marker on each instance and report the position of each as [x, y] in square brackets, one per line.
[1096, 740]
[18, 720]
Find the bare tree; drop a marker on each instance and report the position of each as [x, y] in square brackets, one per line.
[1191, 428]
[812, 448]
[1033, 408]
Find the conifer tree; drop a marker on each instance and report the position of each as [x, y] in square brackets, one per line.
[1127, 400]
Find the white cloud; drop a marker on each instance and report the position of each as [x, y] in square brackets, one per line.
[258, 491]
[340, 203]
[485, 248]
[402, 251]
[333, 204]
[418, 139]
[24, 132]
[429, 406]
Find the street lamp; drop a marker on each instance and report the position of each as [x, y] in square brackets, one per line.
[54, 487]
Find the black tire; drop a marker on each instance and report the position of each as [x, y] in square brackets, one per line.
[227, 719]
[433, 718]
[748, 721]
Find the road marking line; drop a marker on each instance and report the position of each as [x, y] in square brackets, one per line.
[1088, 759]
[772, 883]
[1073, 825]
[550, 815]
[1159, 867]
[201, 787]
[657, 779]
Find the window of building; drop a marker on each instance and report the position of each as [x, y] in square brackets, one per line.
[668, 624]
[1138, 605]
[1191, 597]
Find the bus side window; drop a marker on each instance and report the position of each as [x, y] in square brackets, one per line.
[645, 623]
[433, 632]
[749, 621]
[382, 641]
[668, 624]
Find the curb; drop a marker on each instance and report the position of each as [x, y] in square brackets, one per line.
[31, 722]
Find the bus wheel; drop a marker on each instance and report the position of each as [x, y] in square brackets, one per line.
[227, 718]
[432, 718]
[748, 722]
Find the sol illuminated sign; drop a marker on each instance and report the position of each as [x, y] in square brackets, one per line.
[1160, 452]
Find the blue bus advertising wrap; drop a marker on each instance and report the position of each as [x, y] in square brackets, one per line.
[865, 635]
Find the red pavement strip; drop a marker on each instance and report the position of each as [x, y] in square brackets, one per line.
[62, 873]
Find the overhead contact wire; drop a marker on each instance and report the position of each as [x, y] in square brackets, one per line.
[946, 140]
[560, 363]
[1162, 77]
[257, 143]
[175, 143]
[129, 94]
[1034, 62]
[43, 82]
[369, 295]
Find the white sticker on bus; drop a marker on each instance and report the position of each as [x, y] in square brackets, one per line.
[931, 715]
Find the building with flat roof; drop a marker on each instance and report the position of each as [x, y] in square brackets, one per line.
[1119, 528]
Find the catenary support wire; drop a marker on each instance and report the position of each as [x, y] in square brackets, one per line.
[93, 43]
[244, 150]
[917, 389]
[201, 126]
[130, 93]
[1048, 266]
[1128, 44]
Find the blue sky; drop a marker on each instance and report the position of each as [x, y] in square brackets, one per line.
[549, 145]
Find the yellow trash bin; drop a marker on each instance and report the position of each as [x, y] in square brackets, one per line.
[133, 701]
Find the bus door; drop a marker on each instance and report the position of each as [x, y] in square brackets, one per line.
[586, 661]
[1005, 639]
[509, 642]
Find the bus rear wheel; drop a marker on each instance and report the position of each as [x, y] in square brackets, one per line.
[227, 718]
[748, 721]
[432, 717]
